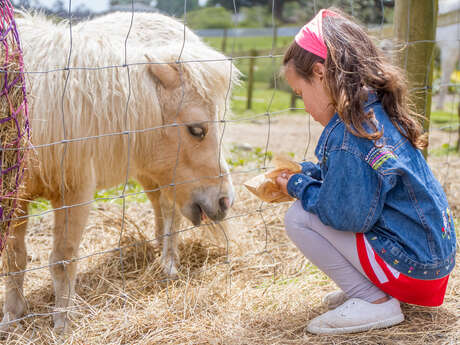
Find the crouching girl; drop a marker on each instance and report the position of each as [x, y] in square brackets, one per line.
[370, 214]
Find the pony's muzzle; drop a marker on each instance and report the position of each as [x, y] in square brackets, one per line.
[208, 203]
[224, 204]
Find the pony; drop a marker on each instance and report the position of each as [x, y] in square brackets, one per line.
[106, 106]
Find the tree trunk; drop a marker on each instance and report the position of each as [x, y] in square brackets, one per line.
[415, 28]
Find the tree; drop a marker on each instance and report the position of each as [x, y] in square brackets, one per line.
[128, 2]
[176, 7]
[210, 18]
[278, 9]
[368, 11]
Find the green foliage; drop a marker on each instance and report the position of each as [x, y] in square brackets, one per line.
[444, 118]
[38, 206]
[299, 11]
[128, 2]
[209, 18]
[133, 193]
[176, 7]
[445, 149]
[256, 17]
[253, 157]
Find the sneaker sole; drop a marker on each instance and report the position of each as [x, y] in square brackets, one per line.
[355, 329]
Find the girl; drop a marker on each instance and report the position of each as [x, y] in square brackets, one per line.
[370, 214]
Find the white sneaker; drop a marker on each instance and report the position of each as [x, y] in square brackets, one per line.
[357, 315]
[333, 299]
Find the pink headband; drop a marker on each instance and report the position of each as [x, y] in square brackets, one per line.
[310, 37]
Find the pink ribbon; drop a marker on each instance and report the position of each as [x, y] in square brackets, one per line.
[310, 37]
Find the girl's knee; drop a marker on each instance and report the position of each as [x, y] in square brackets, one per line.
[296, 219]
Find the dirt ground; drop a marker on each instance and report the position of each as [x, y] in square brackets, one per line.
[255, 289]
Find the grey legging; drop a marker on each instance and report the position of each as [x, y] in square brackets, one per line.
[334, 252]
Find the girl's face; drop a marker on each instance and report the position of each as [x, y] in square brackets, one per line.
[316, 99]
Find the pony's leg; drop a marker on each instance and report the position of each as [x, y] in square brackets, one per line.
[166, 222]
[154, 197]
[171, 221]
[69, 224]
[15, 260]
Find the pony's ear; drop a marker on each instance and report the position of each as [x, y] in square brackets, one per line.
[166, 73]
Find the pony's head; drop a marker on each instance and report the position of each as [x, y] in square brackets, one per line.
[189, 166]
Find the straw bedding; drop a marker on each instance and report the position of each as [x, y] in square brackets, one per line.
[264, 292]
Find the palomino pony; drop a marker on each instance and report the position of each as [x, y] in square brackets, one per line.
[88, 136]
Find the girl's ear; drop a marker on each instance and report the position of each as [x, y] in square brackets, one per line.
[318, 70]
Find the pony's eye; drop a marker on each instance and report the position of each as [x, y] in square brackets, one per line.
[197, 131]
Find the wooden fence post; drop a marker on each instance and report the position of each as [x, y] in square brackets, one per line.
[415, 26]
[252, 62]
[293, 100]
[224, 40]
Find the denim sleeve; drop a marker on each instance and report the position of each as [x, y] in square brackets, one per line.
[311, 169]
[350, 197]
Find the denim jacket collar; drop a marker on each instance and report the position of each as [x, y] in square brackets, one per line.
[320, 147]
[371, 98]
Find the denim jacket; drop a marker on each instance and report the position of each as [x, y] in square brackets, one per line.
[386, 191]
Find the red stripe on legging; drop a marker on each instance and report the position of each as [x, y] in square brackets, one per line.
[406, 289]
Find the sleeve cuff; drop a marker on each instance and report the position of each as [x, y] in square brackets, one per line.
[296, 185]
[311, 169]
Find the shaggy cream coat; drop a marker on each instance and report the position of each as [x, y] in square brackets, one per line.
[101, 121]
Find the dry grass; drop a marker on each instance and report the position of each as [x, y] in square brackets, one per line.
[264, 294]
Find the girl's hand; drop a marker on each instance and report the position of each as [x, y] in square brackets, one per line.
[283, 179]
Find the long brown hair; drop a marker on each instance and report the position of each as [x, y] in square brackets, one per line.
[352, 67]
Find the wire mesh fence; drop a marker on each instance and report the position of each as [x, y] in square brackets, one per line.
[268, 130]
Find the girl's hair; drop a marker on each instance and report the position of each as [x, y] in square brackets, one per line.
[354, 66]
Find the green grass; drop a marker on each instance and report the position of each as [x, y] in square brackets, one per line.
[111, 195]
[444, 150]
[132, 187]
[261, 98]
[245, 44]
[442, 118]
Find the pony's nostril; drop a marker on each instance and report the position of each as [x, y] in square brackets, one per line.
[224, 203]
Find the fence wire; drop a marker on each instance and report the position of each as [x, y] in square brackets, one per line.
[128, 133]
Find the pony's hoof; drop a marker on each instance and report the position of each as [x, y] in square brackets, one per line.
[170, 269]
[61, 325]
[171, 272]
[6, 326]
